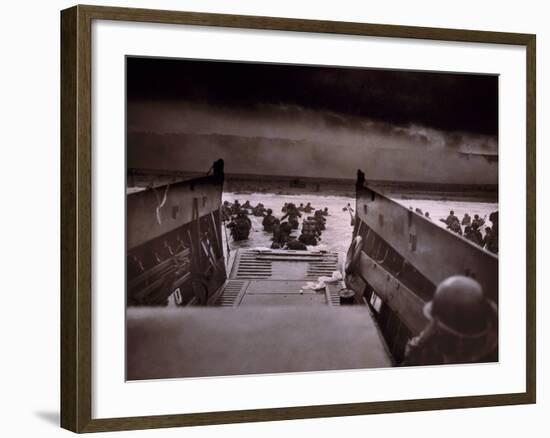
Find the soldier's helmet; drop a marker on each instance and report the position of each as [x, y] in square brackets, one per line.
[460, 308]
[269, 211]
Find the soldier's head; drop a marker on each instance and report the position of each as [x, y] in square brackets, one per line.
[476, 216]
[269, 211]
[452, 212]
[463, 319]
[460, 308]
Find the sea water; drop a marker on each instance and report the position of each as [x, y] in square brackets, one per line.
[338, 234]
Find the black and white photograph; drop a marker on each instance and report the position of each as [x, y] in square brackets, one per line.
[287, 218]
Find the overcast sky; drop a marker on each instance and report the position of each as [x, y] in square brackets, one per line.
[310, 112]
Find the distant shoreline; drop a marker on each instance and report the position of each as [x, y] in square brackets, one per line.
[433, 195]
[247, 184]
[400, 190]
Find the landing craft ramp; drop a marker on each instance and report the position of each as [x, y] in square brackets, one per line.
[262, 320]
[221, 341]
[277, 277]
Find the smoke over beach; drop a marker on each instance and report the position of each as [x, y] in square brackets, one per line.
[269, 120]
[279, 140]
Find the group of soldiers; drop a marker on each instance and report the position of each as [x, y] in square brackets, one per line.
[237, 216]
[472, 229]
[281, 228]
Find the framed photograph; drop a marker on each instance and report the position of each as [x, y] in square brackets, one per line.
[268, 218]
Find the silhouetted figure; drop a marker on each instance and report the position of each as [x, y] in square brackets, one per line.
[295, 244]
[268, 220]
[491, 239]
[259, 210]
[450, 219]
[455, 227]
[466, 219]
[475, 235]
[308, 208]
[293, 214]
[478, 221]
[308, 238]
[240, 227]
[462, 326]
[226, 211]
[236, 208]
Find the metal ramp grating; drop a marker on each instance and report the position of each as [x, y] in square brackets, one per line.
[332, 294]
[323, 267]
[251, 264]
[278, 277]
[231, 293]
[250, 267]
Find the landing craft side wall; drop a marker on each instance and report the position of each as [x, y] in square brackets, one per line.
[432, 250]
[185, 202]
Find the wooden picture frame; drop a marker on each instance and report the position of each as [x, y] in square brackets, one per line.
[76, 217]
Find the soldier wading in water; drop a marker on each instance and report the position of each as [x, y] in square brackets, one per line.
[268, 221]
[293, 214]
[240, 227]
